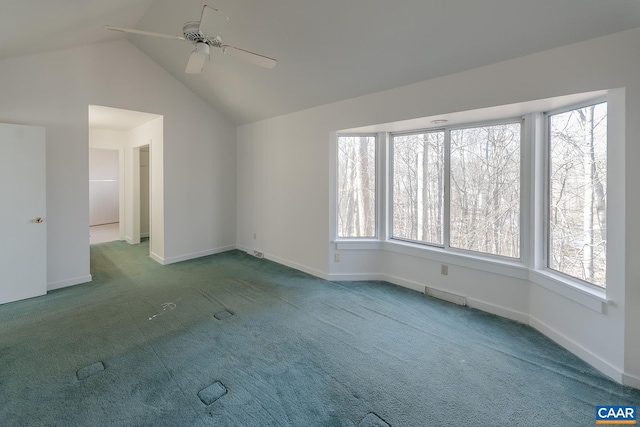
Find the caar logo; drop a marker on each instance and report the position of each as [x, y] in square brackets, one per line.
[616, 415]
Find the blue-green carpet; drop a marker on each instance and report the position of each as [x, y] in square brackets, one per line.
[231, 340]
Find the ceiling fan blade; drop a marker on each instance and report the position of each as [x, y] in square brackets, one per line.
[196, 63]
[144, 33]
[254, 58]
[212, 21]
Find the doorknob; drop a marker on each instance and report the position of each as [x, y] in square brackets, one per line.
[38, 220]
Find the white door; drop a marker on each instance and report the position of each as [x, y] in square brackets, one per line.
[23, 232]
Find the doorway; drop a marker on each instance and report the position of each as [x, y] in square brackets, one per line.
[141, 194]
[137, 137]
[145, 175]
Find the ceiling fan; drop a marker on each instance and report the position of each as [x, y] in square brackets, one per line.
[204, 35]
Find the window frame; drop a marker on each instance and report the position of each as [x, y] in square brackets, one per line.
[391, 175]
[377, 204]
[533, 186]
[446, 246]
[521, 247]
[547, 193]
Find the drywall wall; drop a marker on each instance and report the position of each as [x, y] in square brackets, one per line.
[54, 90]
[283, 190]
[104, 188]
[108, 139]
[285, 170]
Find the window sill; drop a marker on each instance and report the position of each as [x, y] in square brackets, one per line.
[359, 244]
[590, 297]
[587, 296]
[495, 265]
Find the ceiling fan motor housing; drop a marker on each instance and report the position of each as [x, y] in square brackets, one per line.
[191, 31]
[212, 21]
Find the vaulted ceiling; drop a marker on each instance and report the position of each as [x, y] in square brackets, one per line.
[327, 50]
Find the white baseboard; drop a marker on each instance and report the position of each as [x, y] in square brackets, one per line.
[291, 264]
[69, 282]
[303, 268]
[355, 277]
[157, 258]
[471, 302]
[143, 235]
[631, 381]
[583, 353]
[404, 282]
[508, 313]
[194, 255]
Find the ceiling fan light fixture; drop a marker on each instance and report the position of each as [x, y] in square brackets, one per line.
[198, 58]
[202, 49]
[205, 34]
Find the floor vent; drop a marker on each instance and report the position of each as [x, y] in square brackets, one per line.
[445, 296]
[258, 254]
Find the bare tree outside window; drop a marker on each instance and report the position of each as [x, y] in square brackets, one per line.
[485, 189]
[418, 187]
[479, 168]
[577, 193]
[356, 186]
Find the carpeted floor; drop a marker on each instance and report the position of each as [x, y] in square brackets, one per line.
[232, 340]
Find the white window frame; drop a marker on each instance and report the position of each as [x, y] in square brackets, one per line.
[447, 188]
[377, 204]
[391, 185]
[532, 265]
[564, 277]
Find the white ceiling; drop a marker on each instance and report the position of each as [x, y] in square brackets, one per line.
[509, 111]
[327, 50]
[116, 118]
[35, 26]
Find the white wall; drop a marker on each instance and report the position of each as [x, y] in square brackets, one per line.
[284, 172]
[104, 191]
[106, 139]
[54, 90]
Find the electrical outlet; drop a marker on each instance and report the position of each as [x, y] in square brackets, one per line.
[444, 269]
[255, 236]
[337, 257]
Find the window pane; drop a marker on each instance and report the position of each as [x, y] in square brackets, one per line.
[578, 193]
[418, 187]
[356, 186]
[485, 189]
